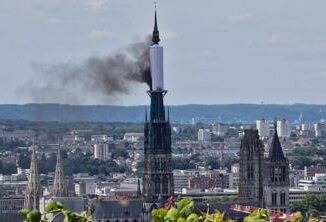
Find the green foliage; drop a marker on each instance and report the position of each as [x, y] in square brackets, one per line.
[184, 211]
[295, 217]
[55, 209]
[260, 215]
[310, 203]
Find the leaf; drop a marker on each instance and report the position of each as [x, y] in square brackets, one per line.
[171, 214]
[193, 218]
[181, 219]
[183, 203]
[52, 207]
[23, 213]
[34, 216]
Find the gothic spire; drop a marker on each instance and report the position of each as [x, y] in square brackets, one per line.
[33, 190]
[59, 186]
[156, 34]
[276, 151]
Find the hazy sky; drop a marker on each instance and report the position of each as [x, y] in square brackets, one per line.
[215, 51]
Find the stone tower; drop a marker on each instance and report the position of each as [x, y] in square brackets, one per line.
[59, 188]
[33, 190]
[276, 182]
[251, 166]
[158, 176]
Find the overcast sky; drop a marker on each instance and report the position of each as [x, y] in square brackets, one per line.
[215, 51]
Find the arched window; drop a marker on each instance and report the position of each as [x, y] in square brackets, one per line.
[157, 185]
[165, 185]
[283, 198]
[274, 198]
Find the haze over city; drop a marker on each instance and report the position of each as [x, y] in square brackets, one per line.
[215, 51]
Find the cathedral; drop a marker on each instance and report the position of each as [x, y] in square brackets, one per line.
[157, 177]
[263, 182]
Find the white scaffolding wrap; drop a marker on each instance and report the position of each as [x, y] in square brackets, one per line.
[156, 61]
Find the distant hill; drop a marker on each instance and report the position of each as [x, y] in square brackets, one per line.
[233, 113]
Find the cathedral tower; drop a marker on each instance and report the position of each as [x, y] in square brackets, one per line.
[158, 176]
[59, 188]
[33, 190]
[251, 166]
[276, 183]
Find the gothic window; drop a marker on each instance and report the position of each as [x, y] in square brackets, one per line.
[251, 171]
[278, 173]
[274, 198]
[283, 174]
[283, 196]
[272, 174]
[157, 185]
[165, 184]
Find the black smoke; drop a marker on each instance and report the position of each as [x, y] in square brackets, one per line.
[108, 76]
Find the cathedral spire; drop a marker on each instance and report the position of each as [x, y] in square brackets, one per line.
[33, 190]
[156, 34]
[275, 151]
[59, 186]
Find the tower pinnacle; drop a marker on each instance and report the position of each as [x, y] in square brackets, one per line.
[33, 190]
[59, 186]
[156, 34]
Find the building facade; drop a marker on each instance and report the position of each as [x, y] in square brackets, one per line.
[276, 180]
[251, 168]
[102, 151]
[262, 125]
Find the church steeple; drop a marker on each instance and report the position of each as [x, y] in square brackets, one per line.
[156, 34]
[33, 190]
[275, 151]
[59, 186]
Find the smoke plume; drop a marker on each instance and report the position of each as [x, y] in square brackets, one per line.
[106, 76]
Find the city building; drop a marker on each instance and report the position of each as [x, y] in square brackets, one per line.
[251, 168]
[204, 135]
[262, 125]
[276, 177]
[85, 188]
[320, 129]
[316, 183]
[220, 129]
[133, 137]
[283, 128]
[311, 171]
[102, 151]
[180, 179]
[101, 138]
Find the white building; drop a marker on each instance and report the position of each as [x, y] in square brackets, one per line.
[204, 135]
[262, 126]
[180, 179]
[102, 151]
[317, 183]
[283, 128]
[101, 138]
[319, 129]
[85, 188]
[133, 137]
[219, 129]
